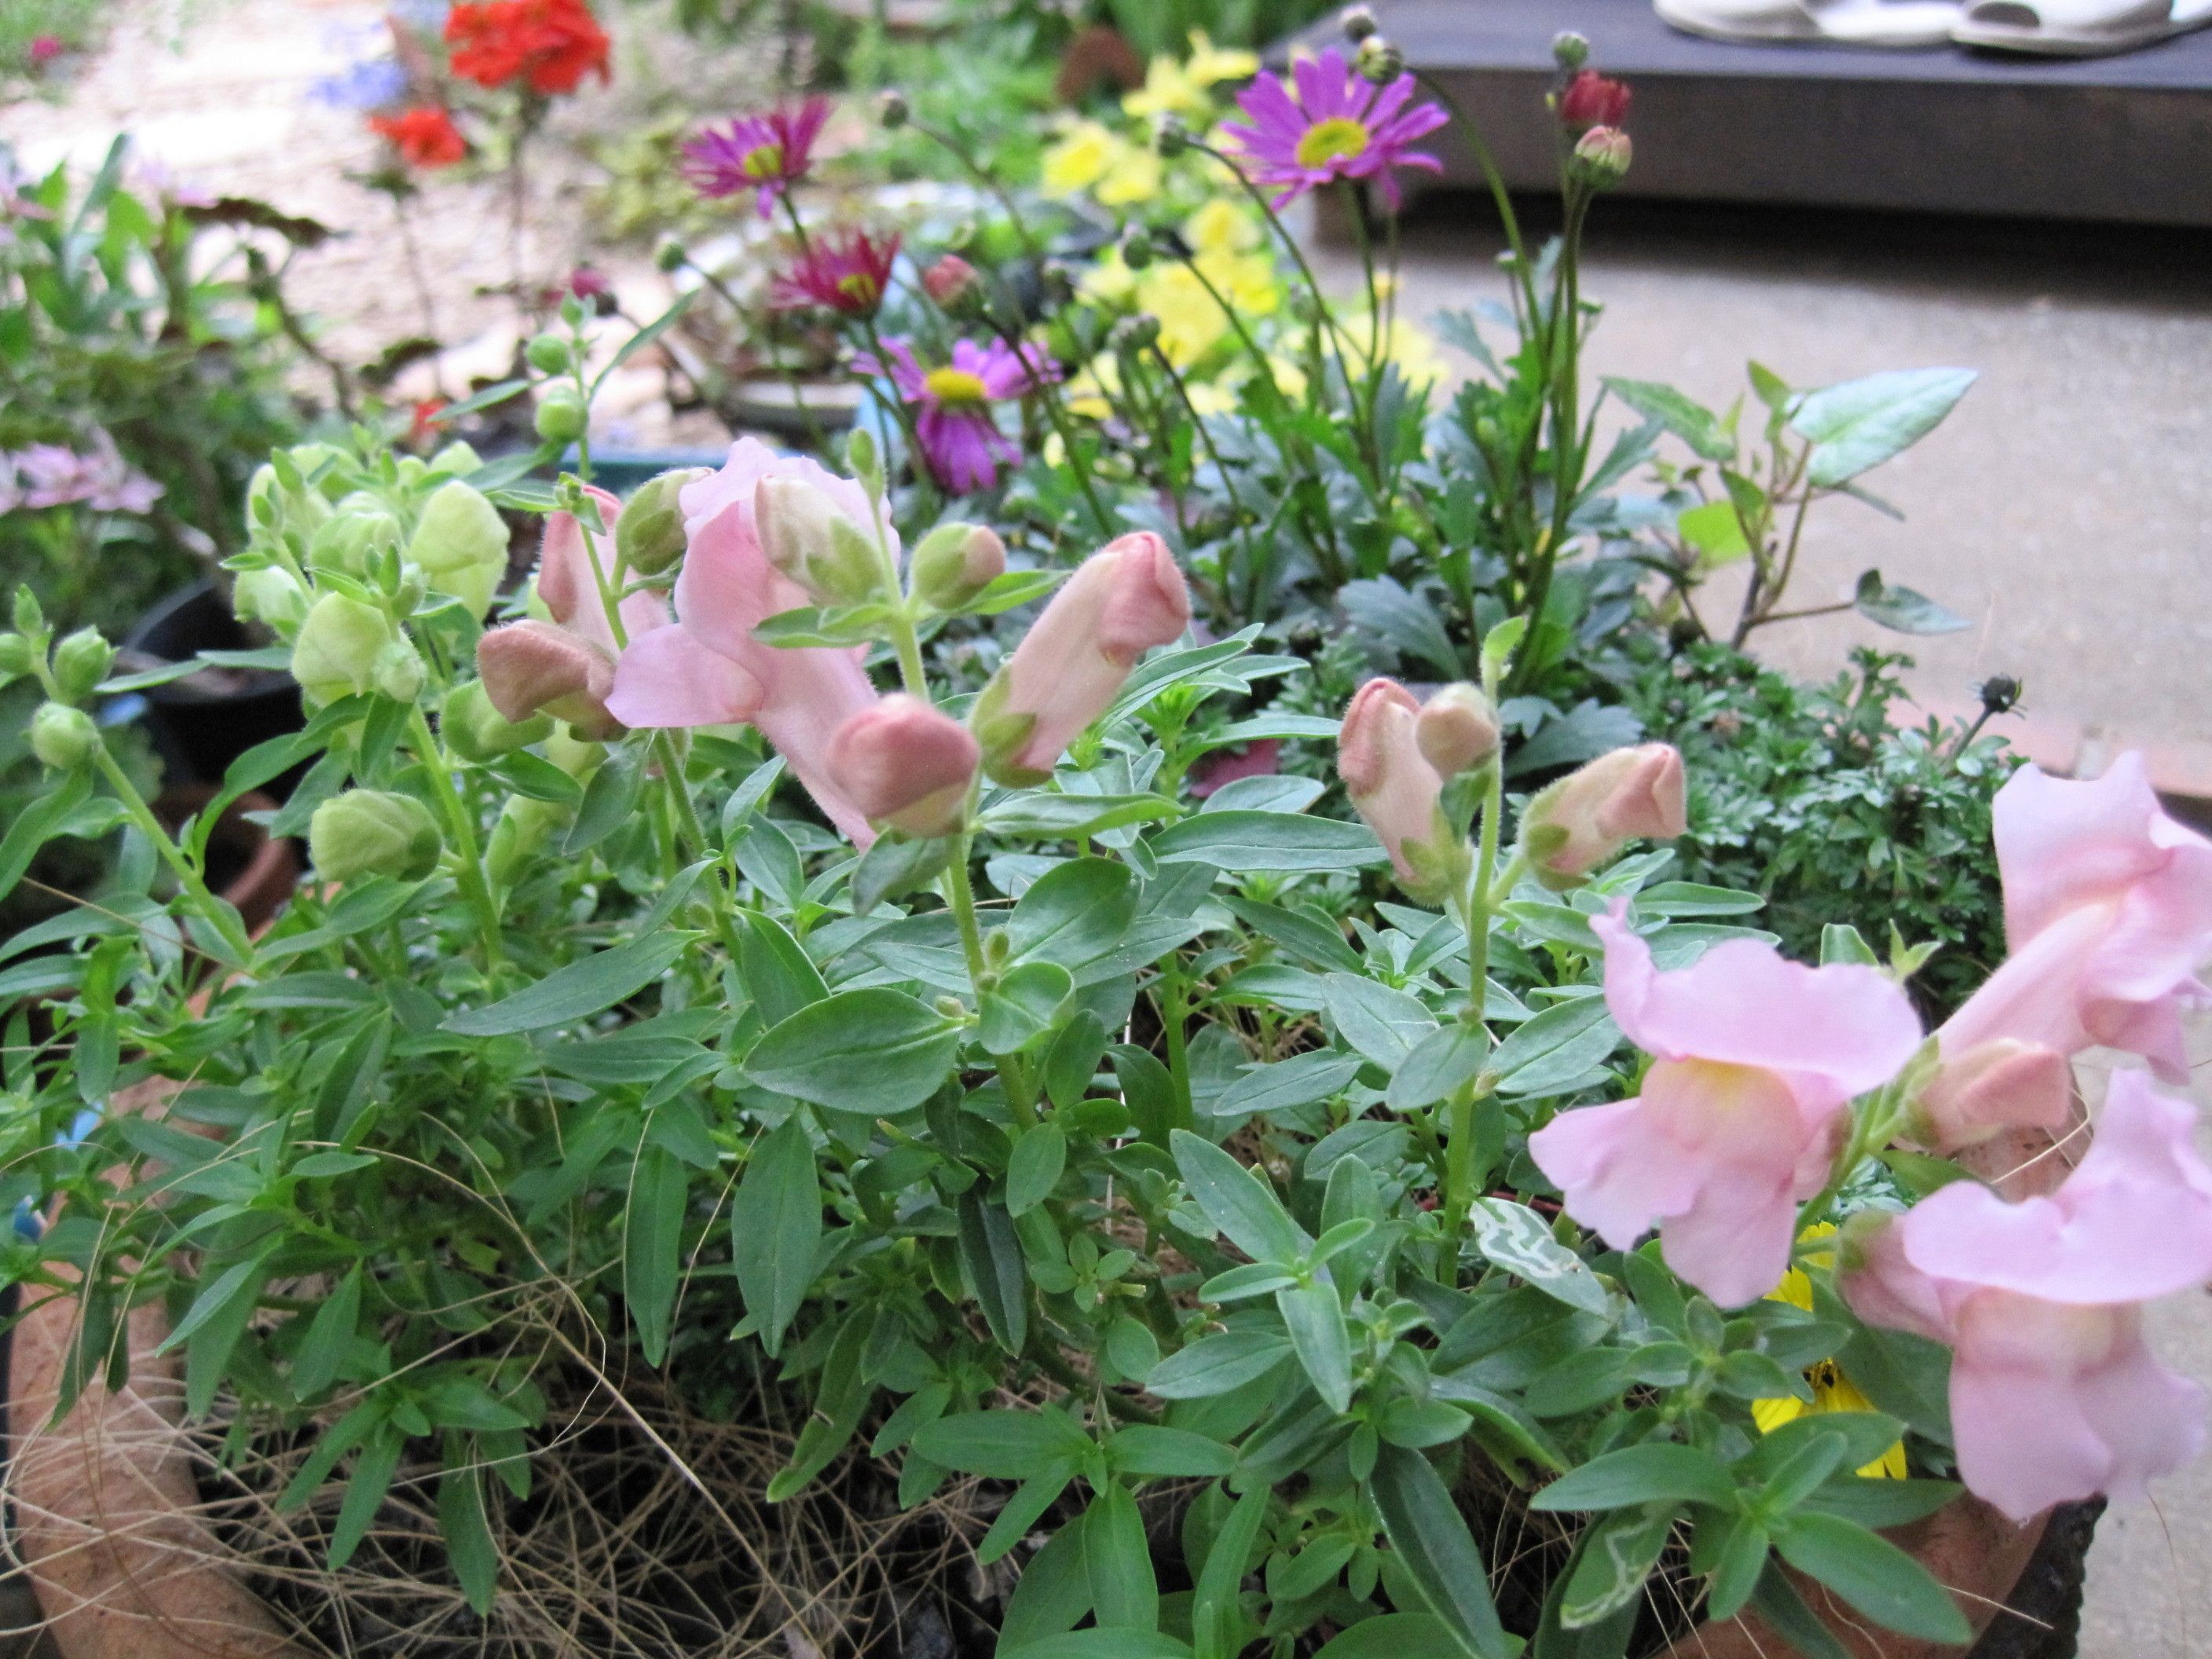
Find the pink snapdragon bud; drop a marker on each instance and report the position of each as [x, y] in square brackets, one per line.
[1755, 1061]
[906, 766]
[536, 667]
[2108, 916]
[1125, 599]
[1586, 818]
[954, 562]
[2055, 1396]
[1999, 1084]
[949, 281]
[1391, 782]
[1457, 729]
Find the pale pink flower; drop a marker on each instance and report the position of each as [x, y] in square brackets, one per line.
[1581, 821]
[1125, 599]
[2108, 914]
[1755, 1059]
[707, 669]
[2055, 1396]
[111, 483]
[1391, 783]
[52, 475]
[905, 765]
[1992, 1087]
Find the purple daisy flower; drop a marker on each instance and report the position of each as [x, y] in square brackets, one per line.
[765, 154]
[849, 274]
[960, 441]
[1338, 125]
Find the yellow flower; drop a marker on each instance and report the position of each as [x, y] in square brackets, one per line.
[1209, 398]
[1224, 225]
[1210, 64]
[1090, 393]
[1191, 324]
[1832, 1390]
[1135, 176]
[1080, 159]
[1173, 88]
[1414, 352]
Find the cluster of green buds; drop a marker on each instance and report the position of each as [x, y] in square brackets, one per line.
[63, 736]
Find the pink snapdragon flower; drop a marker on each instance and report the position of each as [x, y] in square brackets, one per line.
[566, 667]
[2108, 916]
[764, 153]
[905, 765]
[2055, 1396]
[1391, 782]
[1122, 600]
[1328, 122]
[1584, 819]
[707, 669]
[1756, 1058]
[960, 438]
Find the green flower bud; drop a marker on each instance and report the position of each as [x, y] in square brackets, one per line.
[1170, 137]
[81, 662]
[954, 562]
[62, 737]
[1601, 157]
[560, 417]
[340, 647]
[1570, 50]
[456, 460]
[374, 832]
[272, 595]
[548, 353]
[476, 731]
[398, 672]
[669, 256]
[892, 110]
[524, 827]
[270, 502]
[578, 756]
[460, 545]
[809, 540]
[15, 657]
[1137, 247]
[349, 540]
[649, 534]
[29, 617]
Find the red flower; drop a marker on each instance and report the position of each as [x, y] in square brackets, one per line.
[422, 423]
[1592, 100]
[848, 274]
[551, 44]
[44, 48]
[425, 137]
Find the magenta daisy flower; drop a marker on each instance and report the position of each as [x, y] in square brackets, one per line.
[765, 154]
[847, 274]
[960, 441]
[1336, 125]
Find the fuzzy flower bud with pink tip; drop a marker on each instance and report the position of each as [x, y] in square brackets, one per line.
[905, 766]
[535, 667]
[1457, 730]
[1586, 818]
[1998, 1084]
[1395, 787]
[1125, 599]
[950, 281]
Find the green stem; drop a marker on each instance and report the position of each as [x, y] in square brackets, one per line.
[469, 860]
[219, 916]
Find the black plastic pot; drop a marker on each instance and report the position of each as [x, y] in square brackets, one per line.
[202, 723]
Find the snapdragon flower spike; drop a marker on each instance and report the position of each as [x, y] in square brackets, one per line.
[1329, 122]
[961, 442]
[764, 153]
[563, 664]
[2108, 916]
[849, 274]
[1122, 600]
[905, 765]
[1755, 1061]
[1393, 785]
[707, 669]
[2055, 1396]
[1581, 821]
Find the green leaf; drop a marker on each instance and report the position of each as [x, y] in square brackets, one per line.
[1713, 531]
[775, 1230]
[1555, 1048]
[1515, 1238]
[1022, 1512]
[329, 1339]
[896, 865]
[653, 1247]
[1101, 1642]
[1437, 1065]
[775, 967]
[1004, 1445]
[1020, 1007]
[1268, 843]
[1314, 1315]
[1883, 1503]
[1391, 1636]
[467, 1531]
[1123, 1590]
[1859, 424]
[1216, 1364]
[1301, 1080]
[874, 1051]
[1384, 610]
[1170, 1454]
[992, 1256]
[1903, 610]
[1875, 1577]
[1775, 1601]
[1034, 1169]
[1217, 1614]
[1383, 1025]
[1053, 1596]
[1742, 1559]
[240, 1282]
[364, 1492]
[1043, 814]
[36, 823]
[1432, 1539]
[1242, 1208]
[580, 988]
[1657, 1470]
[1074, 913]
[1681, 415]
[1611, 1564]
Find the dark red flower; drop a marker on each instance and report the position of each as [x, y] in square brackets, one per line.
[44, 48]
[764, 153]
[849, 274]
[424, 136]
[1592, 100]
[551, 43]
[590, 282]
[423, 425]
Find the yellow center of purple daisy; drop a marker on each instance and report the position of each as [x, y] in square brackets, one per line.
[859, 288]
[1337, 139]
[763, 161]
[956, 388]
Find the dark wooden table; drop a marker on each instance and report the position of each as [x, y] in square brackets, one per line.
[1943, 131]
